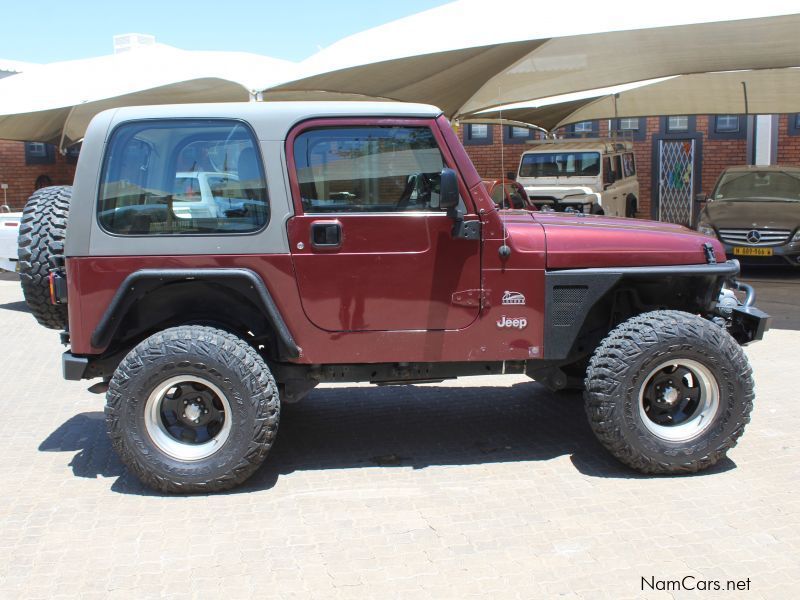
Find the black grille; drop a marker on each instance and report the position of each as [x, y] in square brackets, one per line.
[567, 303]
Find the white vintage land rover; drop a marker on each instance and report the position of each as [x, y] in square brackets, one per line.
[595, 176]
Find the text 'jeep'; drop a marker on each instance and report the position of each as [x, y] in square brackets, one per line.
[213, 261]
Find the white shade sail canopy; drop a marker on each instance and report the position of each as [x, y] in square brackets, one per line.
[470, 55]
[55, 102]
[764, 92]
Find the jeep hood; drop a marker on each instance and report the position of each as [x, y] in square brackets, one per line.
[752, 214]
[582, 241]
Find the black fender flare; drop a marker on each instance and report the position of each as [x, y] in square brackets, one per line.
[571, 293]
[139, 283]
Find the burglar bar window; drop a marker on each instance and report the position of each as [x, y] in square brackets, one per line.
[515, 134]
[478, 133]
[520, 132]
[629, 124]
[726, 124]
[793, 124]
[679, 123]
[37, 153]
[37, 149]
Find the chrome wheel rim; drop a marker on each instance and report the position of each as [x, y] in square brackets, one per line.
[678, 400]
[188, 418]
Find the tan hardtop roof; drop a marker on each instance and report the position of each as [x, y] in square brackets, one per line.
[272, 120]
[607, 146]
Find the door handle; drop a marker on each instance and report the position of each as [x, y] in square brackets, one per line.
[326, 234]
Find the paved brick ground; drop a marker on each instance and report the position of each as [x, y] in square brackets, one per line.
[488, 487]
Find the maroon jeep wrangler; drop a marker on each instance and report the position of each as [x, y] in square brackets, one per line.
[214, 261]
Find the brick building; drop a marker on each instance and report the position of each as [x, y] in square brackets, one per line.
[711, 142]
[27, 166]
[719, 141]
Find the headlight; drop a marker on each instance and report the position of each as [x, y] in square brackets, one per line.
[796, 236]
[706, 229]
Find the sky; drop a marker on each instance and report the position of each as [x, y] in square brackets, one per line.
[43, 31]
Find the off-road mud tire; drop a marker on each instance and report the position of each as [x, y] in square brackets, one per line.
[41, 237]
[626, 357]
[219, 357]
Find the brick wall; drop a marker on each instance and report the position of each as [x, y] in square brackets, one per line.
[21, 178]
[487, 158]
[788, 143]
[717, 155]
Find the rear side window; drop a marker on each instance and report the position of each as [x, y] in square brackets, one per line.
[628, 164]
[182, 177]
[617, 160]
[368, 169]
[497, 195]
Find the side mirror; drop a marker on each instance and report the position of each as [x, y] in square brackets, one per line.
[700, 198]
[448, 189]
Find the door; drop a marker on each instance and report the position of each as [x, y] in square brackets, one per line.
[371, 249]
[613, 193]
[676, 181]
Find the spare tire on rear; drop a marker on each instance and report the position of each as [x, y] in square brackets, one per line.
[41, 238]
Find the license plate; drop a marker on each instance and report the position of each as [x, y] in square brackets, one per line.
[740, 251]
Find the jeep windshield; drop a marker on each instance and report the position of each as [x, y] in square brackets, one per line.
[560, 164]
[772, 186]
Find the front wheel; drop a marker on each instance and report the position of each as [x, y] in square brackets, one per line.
[669, 392]
[192, 409]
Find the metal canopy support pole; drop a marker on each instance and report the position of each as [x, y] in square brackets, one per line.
[751, 129]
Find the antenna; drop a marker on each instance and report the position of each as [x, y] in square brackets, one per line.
[504, 250]
[502, 164]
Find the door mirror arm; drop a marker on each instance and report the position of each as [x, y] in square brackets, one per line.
[463, 230]
[450, 199]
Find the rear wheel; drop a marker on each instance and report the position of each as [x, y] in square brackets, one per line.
[669, 392]
[192, 409]
[41, 238]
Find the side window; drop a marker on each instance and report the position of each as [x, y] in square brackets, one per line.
[617, 162]
[628, 164]
[182, 177]
[515, 196]
[497, 195]
[608, 171]
[368, 169]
